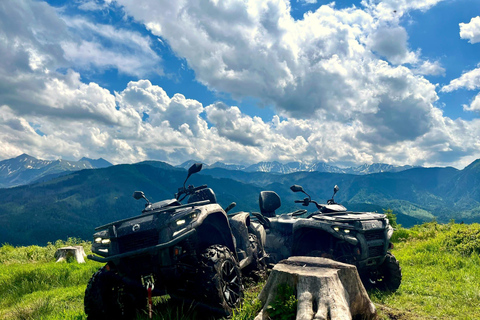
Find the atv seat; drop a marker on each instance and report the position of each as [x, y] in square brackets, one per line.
[203, 194]
[269, 201]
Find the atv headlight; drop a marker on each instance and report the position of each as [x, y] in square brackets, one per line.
[342, 230]
[102, 240]
[101, 237]
[186, 219]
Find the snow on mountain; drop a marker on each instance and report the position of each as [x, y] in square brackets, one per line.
[26, 169]
[277, 167]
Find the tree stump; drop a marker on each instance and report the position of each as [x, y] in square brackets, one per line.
[325, 289]
[62, 254]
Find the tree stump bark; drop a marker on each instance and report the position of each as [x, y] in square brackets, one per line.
[62, 254]
[325, 289]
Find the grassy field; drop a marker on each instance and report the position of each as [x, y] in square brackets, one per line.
[440, 265]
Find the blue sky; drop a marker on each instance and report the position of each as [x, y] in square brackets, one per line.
[345, 82]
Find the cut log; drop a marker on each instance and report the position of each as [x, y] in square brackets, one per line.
[325, 289]
[77, 252]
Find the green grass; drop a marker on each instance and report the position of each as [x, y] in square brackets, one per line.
[33, 286]
[440, 265]
[441, 273]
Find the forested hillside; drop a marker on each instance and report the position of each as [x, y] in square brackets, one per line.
[74, 204]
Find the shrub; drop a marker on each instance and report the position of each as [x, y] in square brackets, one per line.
[465, 241]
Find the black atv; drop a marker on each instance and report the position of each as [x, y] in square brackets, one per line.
[358, 238]
[191, 251]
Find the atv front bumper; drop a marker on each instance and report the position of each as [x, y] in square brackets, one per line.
[144, 251]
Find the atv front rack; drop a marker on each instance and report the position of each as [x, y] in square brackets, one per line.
[143, 250]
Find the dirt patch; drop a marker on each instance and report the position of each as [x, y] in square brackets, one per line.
[394, 314]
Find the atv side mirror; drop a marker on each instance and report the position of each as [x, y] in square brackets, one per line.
[296, 188]
[335, 189]
[138, 195]
[196, 167]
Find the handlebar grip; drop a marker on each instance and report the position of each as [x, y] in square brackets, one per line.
[200, 187]
[298, 201]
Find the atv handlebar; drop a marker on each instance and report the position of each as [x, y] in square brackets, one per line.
[189, 190]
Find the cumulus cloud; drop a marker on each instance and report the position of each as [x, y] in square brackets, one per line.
[471, 30]
[469, 80]
[392, 43]
[430, 68]
[337, 78]
[103, 46]
[475, 105]
[394, 9]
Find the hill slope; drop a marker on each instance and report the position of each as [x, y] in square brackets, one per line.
[73, 205]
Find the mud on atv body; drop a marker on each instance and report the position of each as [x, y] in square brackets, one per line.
[358, 238]
[192, 251]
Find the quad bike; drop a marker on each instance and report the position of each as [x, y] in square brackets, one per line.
[358, 238]
[191, 251]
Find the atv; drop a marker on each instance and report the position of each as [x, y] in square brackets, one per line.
[191, 251]
[358, 238]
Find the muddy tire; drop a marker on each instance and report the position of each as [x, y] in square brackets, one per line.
[220, 283]
[389, 276]
[106, 298]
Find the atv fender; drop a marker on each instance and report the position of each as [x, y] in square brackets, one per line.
[259, 231]
[239, 224]
[213, 228]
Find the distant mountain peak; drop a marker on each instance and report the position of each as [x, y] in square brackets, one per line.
[96, 163]
[295, 166]
[474, 166]
[25, 169]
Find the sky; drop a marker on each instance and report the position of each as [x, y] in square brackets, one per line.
[242, 81]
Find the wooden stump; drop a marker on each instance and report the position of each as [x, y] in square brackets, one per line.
[325, 289]
[62, 254]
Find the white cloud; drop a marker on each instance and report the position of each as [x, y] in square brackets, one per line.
[430, 68]
[474, 106]
[337, 101]
[471, 30]
[127, 51]
[469, 80]
[395, 9]
[392, 43]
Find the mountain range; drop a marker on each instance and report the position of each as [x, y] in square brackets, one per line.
[296, 166]
[26, 169]
[72, 205]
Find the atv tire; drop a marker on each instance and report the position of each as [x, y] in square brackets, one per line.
[220, 281]
[389, 276]
[105, 298]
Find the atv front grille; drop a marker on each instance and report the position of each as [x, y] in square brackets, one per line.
[375, 251]
[137, 241]
[375, 235]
